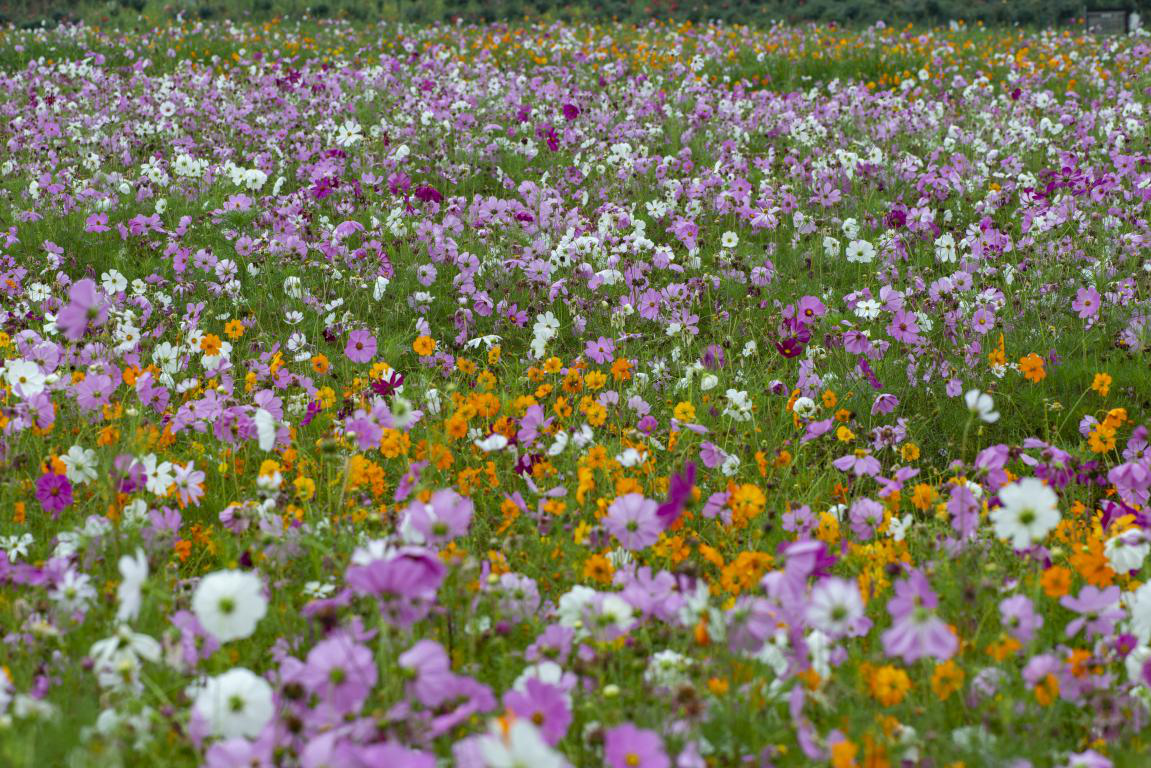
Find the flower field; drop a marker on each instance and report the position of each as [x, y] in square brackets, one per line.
[570, 395]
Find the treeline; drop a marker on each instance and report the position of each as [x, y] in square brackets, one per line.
[847, 12]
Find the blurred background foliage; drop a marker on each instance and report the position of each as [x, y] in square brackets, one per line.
[849, 12]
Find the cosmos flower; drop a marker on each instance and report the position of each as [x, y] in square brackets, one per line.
[236, 703]
[133, 573]
[1028, 510]
[517, 744]
[981, 405]
[633, 520]
[54, 492]
[626, 746]
[836, 608]
[361, 347]
[229, 604]
[86, 309]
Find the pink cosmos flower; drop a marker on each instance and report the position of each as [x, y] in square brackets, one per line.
[361, 346]
[1086, 302]
[602, 350]
[626, 746]
[917, 632]
[86, 309]
[634, 521]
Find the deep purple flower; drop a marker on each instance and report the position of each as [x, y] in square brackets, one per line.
[54, 492]
[678, 492]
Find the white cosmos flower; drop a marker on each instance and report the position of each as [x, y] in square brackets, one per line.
[1029, 511]
[1135, 661]
[668, 669]
[1127, 551]
[237, 703]
[79, 465]
[125, 644]
[899, 526]
[629, 458]
[133, 572]
[25, 377]
[491, 443]
[981, 404]
[860, 251]
[945, 248]
[113, 281]
[804, 407]
[229, 604]
[16, 547]
[569, 610]
[380, 287]
[868, 309]
[265, 429]
[293, 287]
[739, 405]
[559, 443]
[520, 746]
[158, 475]
[1138, 605]
[73, 592]
[835, 606]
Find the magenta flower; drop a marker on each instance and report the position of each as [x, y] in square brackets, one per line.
[634, 521]
[626, 746]
[678, 492]
[809, 309]
[361, 346]
[86, 309]
[904, 327]
[602, 350]
[54, 492]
